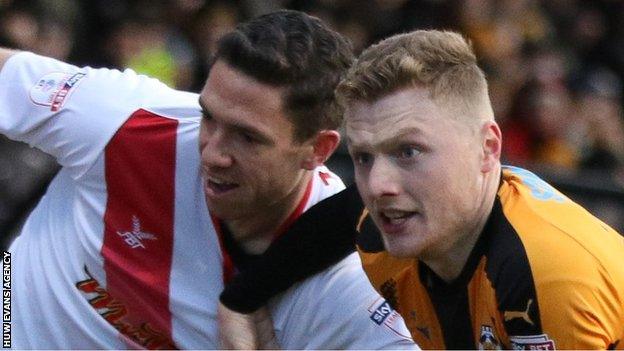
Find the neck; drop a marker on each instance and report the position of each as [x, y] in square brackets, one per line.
[450, 264]
[256, 232]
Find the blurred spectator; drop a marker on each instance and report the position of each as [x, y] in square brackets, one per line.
[210, 23]
[19, 28]
[536, 130]
[540, 126]
[500, 37]
[598, 97]
[141, 45]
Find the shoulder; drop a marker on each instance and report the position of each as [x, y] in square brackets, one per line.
[556, 234]
[341, 279]
[338, 290]
[552, 262]
[345, 311]
[53, 80]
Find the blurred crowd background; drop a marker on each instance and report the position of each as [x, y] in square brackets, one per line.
[555, 68]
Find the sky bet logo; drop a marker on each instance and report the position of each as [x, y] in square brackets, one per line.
[381, 313]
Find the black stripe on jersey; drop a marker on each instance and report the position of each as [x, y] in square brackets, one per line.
[509, 271]
[451, 305]
[450, 300]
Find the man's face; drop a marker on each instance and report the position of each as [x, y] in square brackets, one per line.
[249, 159]
[417, 169]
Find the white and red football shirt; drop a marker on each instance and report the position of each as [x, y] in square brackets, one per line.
[121, 251]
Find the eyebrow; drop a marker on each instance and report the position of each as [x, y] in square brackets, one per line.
[386, 143]
[242, 128]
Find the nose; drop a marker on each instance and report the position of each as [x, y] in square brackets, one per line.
[214, 149]
[383, 178]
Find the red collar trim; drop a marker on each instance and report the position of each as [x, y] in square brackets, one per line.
[228, 264]
[296, 213]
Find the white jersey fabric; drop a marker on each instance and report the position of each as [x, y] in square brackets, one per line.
[121, 252]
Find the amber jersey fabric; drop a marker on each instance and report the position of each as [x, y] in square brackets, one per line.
[544, 274]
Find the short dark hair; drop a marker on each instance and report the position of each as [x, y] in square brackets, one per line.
[296, 51]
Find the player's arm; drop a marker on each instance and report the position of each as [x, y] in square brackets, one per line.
[321, 237]
[53, 106]
[5, 54]
[66, 111]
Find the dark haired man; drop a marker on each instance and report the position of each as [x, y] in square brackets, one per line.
[125, 251]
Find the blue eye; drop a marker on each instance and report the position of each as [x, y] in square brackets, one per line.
[407, 152]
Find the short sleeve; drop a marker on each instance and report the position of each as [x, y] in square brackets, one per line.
[68, 112]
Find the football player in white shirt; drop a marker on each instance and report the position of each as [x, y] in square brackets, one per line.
[141, 229]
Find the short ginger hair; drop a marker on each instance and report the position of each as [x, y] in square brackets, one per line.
[443, 62]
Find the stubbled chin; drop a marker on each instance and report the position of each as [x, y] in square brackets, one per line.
[400, 247]
[220, 209]
[399, 252]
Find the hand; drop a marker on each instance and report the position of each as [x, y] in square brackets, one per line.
[239, 331]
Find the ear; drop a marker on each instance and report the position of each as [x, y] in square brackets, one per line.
[323, 146]
[492, 143]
